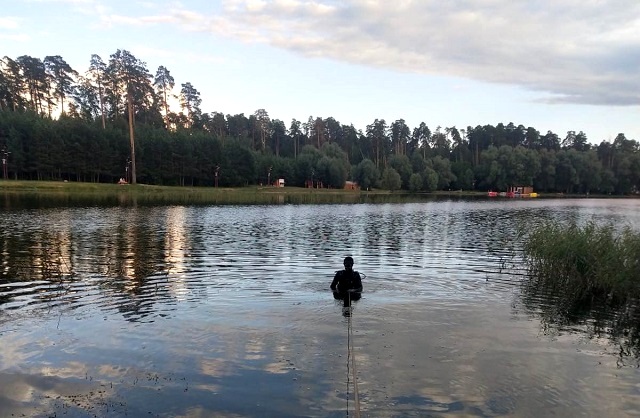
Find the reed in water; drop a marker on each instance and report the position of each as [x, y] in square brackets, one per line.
[588, 261]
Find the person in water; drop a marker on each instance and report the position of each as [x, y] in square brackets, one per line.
[347, 284]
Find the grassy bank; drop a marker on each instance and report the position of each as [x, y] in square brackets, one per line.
[99, 193]
[141, 189]
[585, 261]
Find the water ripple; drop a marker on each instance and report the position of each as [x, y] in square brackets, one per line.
[233, 297]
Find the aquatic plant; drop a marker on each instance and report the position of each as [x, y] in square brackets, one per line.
[586, 276]
[585, 261]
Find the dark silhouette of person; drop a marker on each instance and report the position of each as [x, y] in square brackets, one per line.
[347, 284]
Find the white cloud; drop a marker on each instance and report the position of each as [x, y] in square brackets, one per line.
[9, 23]
[573, 51]
[255, 5]
[578, 51]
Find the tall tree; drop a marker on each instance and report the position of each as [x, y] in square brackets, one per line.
[377, 134]
[35, 78]
[515, 135]
[238, 126]
[421, 138]
[13, 84]
[278, 133]
[131, 81]
[580, 142]
[399, 136]
[190, 102]
[62, 76]
[532, 138]
[5, 97]
[262, 126]
[351, 144]
[218, 125]
[295, 133]
[569, 140]
[318, 131]
[164, 84]
[441, 142]
[456, 138]
[333, 130]
[550, 141]
[98, 73]
[86, 102]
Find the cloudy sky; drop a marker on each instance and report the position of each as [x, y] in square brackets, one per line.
[556, 65]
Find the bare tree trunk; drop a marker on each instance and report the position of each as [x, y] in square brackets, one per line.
[132, 139]
[477, 157]
[104, 124]
[166, 105]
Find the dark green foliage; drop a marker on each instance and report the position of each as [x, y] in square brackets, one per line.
[442, 167]
[74, 148]
[366, 174]
[56, 124]
[238, 165]
[402, 165]
[415, 182]
[331, 172]
[430, 179]
[464, 176]
[418, 164]
[391, 179]
[333, 168]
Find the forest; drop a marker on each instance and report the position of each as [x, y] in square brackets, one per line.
[119, 120]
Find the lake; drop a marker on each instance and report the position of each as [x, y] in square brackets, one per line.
[197, 311]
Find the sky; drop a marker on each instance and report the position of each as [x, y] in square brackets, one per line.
[558, 65]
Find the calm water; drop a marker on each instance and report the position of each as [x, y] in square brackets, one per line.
[225, 311]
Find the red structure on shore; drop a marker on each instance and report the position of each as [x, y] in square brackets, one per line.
[515, 191]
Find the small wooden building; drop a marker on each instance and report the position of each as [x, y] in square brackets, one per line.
[351, 185]
[521, 190]
[515, 191]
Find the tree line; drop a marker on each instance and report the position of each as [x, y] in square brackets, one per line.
[116, 120]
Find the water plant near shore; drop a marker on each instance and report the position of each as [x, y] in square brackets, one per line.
[585, 262]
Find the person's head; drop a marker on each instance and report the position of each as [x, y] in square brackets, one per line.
[348, 263]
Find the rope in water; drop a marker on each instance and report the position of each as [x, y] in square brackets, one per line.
[348, 359]
[351, 358]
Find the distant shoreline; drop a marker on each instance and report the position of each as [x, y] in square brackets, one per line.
[240, 194]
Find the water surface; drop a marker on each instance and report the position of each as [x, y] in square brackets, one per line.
[225, 311]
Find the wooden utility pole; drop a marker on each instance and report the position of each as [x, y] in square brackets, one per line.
[131, 138]
[5, 161]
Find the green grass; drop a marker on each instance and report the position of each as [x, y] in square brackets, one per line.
[57, 192]
[585, 261]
